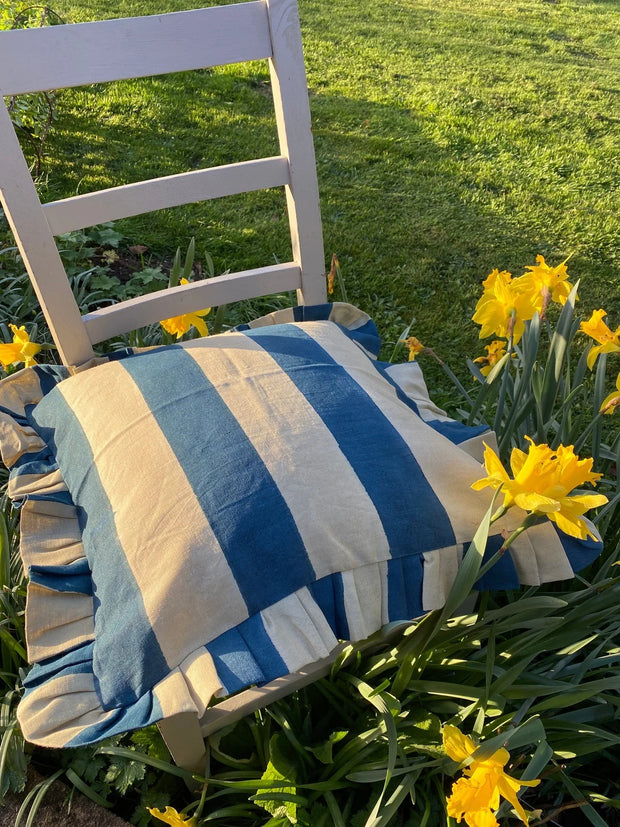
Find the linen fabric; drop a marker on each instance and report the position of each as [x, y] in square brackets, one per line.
[213, 514]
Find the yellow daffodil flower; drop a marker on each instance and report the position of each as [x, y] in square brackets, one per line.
[545, 284]
[21, 349]
[172, 817]
[543, 480]
[611, 402]
[476, 795]
[495, 351]
[494, 276]
[503, 308]
[178, 325]
[609, 342]
[414, 346]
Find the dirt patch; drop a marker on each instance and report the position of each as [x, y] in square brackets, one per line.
[55, 810]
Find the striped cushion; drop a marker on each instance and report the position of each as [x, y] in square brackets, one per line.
[204, 516]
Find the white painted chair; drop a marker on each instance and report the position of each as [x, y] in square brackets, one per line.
[74, 55]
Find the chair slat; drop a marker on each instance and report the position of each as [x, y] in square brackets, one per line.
[186, 298]
[56, 57]
[161, 193]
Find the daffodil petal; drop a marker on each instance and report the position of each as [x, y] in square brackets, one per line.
[533, 502]
[481, 818]
[458, 746]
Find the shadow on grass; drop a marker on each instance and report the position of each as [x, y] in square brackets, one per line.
[418, 216]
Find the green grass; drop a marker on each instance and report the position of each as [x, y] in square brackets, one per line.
[451, 138]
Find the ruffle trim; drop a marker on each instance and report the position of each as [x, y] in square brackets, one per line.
[62, 708]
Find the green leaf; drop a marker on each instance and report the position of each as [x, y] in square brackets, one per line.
[280, 801]
[557, 354]
[324, 752]
[122, 775]
[86, 790]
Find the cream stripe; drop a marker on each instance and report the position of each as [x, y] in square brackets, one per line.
[17, 391]
[190, 687]
[539, 557]
[56, 621]
[450, 472]
[53, 714]
[298, 629]
[440, 568]
[363, 600]
[336, 518]
[24, 484]
[409, 378]
[189, 592]
[50, 534]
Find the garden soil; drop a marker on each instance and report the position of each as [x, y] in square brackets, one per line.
[54, 811]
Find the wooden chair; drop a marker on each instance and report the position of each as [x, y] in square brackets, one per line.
[57, 57]
[75, 55]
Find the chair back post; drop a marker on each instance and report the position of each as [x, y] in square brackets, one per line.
[290, 96]
[36, 244]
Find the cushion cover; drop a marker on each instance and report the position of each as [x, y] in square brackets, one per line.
[216, 513]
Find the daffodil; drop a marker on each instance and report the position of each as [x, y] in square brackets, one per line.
[545, 284]
[172, 817]
[611, 402]
[609, 341]
[541, 484]
[414, 346]
[495, 351]
[503, 308]
[476, 795]
[178, 325]
[21, 349]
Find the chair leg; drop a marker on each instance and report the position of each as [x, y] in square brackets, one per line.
[184, 740]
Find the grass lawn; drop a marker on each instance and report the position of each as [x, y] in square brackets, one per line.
[452, 137]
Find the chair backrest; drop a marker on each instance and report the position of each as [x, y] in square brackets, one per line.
[75, 55]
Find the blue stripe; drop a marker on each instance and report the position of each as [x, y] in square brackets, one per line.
[580, 553]
[244, 507]
[312, 312]
[404, 582]
[366, 335]
[74, 662]
[413, 517]
[74, 577]
[119, 635]
[49, 376]
[63, 497]
[20, 419]
[27, 467]
[263, 650]
[328, 593]
[235, 666]
[145, 711]
[456, 432]
[503, 575]
[404, 398]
